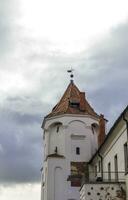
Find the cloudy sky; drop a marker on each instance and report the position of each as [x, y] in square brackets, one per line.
[39, 41]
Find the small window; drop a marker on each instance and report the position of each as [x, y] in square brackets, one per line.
[126, 157]
[99, 165]
[58, 128]
[109, 171]
[116, 167]
[74, 104]
[78, 150]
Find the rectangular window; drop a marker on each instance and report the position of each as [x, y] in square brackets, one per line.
[126, 157]
[78, 150]
[99, 163]
[116, 167]
[74, 104]
[109, 171]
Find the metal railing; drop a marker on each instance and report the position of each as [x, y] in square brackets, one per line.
[104, 177]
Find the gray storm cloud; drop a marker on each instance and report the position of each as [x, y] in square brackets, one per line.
[101, 71]
[7, 25]
[20, 154]
[110, 84]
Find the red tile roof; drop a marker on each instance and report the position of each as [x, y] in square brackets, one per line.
[73, 102]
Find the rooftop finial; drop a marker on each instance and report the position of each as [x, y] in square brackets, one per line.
[71, 74]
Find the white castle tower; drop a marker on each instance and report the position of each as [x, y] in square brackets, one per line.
[72, 132]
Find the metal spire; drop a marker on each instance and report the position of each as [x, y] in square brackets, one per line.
[71, 74]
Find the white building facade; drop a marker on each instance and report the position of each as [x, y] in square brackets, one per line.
[108, 168]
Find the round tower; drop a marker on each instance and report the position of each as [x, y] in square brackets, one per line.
[71, 134]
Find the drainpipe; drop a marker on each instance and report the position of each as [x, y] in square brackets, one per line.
[127, 157]
[101, 165]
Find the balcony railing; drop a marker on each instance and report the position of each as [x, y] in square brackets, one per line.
[104, 177]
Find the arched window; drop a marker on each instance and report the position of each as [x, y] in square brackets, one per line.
[95, 128]
[78, 150]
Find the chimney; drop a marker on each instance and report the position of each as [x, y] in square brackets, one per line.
[82, 101]
[101, 135]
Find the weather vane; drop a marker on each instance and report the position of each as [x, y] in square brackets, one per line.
[71, 74]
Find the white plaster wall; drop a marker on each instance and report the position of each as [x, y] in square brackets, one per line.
[56, 186]
[71, 125]
[115, 145]
[44, 181]
[67, 118]
[58, 178]
[56, 139]
[81, 129]
[126, 177]
[42, 188]
[45, 143]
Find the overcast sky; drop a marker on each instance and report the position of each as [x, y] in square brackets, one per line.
[39, 41]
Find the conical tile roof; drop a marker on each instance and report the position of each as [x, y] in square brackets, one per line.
[73, 102]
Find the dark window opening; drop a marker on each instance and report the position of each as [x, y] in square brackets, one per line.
[93, 130]
[116, 167]
[74, 104]
[99, 163]
[109, 171]
[57, 129]
[78, 150]
[126, 157]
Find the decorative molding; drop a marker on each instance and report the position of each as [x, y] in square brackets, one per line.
[55, 155]
[78, 137]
